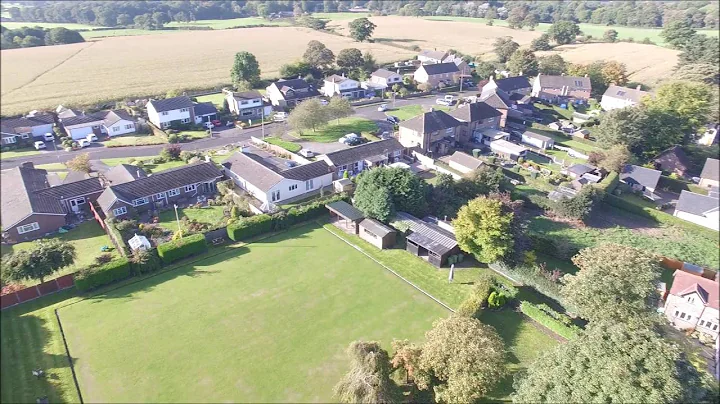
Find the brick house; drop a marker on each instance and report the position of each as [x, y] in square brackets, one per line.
[478, 118]
[435, 132]
[434, 74]
[562, 89]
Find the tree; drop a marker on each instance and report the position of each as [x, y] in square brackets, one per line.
[610, 35]
[531, 21]
[504, 48]
[375, 202]
[159, 19]
[615, 282]
[678, 33]
[60, 36]
[124, 20]
[564, 32]
[523, 61]
[46, 257]
[318, 55]
[245, 68]
[309, 114]
[615, 158]
[361, 29]
[407, 357]
[701, 49]
[368, 380]
[614, 72]
[700, 72]
[338, 108]
[484, 70]
[312, 23]
[612, 362]
[689, 101]
[462, 359]
[553, 65]
[516, 16]
[171, 152]
[369, 62]
[31, 41]
[80, 163]
[295, 70]
[407, 190]
[483, 229]
[579, 206]
[350, 59]
[541, 43]
[645, 132]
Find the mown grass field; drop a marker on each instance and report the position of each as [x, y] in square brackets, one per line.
[334, 130]
[266, 322]
[68, 25]
[209, 215]
[410, 111]
[134, 140]
[147, 162]
[229, 23]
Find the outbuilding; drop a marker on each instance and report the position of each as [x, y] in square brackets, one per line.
[377, 234]
[427, 240]
[507, 149]
[537, 140]
[345, 216]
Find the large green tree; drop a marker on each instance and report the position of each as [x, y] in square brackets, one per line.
[309, 114]
[46, 257]
[615, 282]
[610, 35]
[541, 43]
[484, 230]
[612, 363]
[407, 189]
[350, 59]
[564, 32]
[368, 380]
[406, 356]
[462, 359]
[361, 29]
[689, 101]
[318, 55]
[61, 35]
[375, 201]
[552, 64]
[579, 206]
[645, 132]
[678, 33]
[523, 61]
[504, 47]
[245, 68]
[338, 108]
[484, 69]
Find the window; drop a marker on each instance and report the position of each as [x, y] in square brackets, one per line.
[691, 299]
[24, 136]
[184, 110]
[621, 92]
[715, 327]
[677, 313]
[356, 166]
[26, 228]
[164, 113]
[244, 102]
[160, 195]
[140, 201]
[173, 192]
[292, 187]
[369, 233]
[449, 130]
[190, 188]
[247, 112]
[129, 126]
[344, 167]
[702, 322]
[689, 317]
[10, 139]
[116, 129]
[309, 185]
[165, 125]
[185, 120]
[682, 315]
[275, 196]
[120, 211]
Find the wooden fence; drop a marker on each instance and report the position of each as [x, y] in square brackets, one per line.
[33, 292]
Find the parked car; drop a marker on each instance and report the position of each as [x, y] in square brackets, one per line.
[39, 145]
[393, 119]
[209, 125]
[383, 108]
[323, 102]
[280, 116]
[49, 137]
[91, 138]
[385, 135]
[216, 122]
[230, 124]
[355, 141]
[442, 101]
[306, 153]
[350, 137]
[83, 143]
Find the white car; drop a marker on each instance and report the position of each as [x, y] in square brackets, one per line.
[306, 153]
[83, 143]
[91, 138]
[443, 101]
[383, 108]
[48, 137]
[39, 145]
[323, 102]
[280, 116]
[209, 125]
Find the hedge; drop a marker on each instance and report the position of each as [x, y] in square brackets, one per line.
[548, 320]
[184, 247]
[533, 277]
[116, 237]
[609, 183]
[94, 277]
[248, 227]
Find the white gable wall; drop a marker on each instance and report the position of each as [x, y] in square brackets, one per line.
[160, 118]
[120, 127]
[711, 221]
[300, 187]
[40, 130]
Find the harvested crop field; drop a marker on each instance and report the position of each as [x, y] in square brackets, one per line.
[647, 64]
[118, 67]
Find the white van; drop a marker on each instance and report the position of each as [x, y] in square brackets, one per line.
[83, 143]
[91, 138]
[48, 137]
[280, 116]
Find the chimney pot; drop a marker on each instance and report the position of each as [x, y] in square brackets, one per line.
[138, 173]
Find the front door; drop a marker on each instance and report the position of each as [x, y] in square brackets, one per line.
[75, 204]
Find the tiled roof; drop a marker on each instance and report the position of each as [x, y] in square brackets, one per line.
[647, 177]
[10, 124]
[474, 112]
[434, 54]
[573, 82]
[536, 136]
[625, 93]
[427, 234]
[384, 73]
[696, 204]
[673, 159]
[513, 83]
[429, 122]
[465, 160]
[111, 117]
[253, 167]
[440, 68]
[364, 151]
[708, 289]
[19, 198]
[247, 95]
[72, 189]
[496, 99]
[171, 104]
[205, 108]
[306, 171]
[123, 173]
[168, 179]
[711, 170]
[84, 120]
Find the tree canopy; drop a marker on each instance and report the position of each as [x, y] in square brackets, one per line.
[406, 189]
[541, 43]
[350, 59]
[46, 257]
[523, 61]
[579, 206]
[504, 47]
[361, 29]
[484, 230]
[645, 132]
[368, 380]
[678, 33]
[309, 114]
[564, 32]
[689, 101]
[81, 163]
[318, 55]
[245, 68]
[375, 201]
[552, 65]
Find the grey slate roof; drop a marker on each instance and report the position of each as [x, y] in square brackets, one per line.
[384, 73]
[580, 169]
[85, 120]
[513, 83]
[536, 136]
[306, 171]
[466, 160]
[72, 189]
[295, 89]
[205, 108]
[9, 125]
[432, 121]
[122, 173]
[636, 175]
[19, 198]
[427, 234]
[170, 104]
[573, 82]
[474, 112]
[497, 99]
[434, 54]
[376, 227]
[625, 93]
[696, 204]
[111, 117]
[108, 197]
[711, 169]
[247, 95]
[440, 68]
[264, 175]
[346, 210]
[364, 151]
[168, 179]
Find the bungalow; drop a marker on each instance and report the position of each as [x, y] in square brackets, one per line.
[561, 89]
[116, 122]
[537, 140]
[431, 56]
[641, 179]
[288, 93]
[511, 85]
[478, 117]
[463, 162]
[435, 74]
[427, 240]
[694, 303]
[434, 132]
[365, 156]
[147, 193]
[698, 209]
[385, 78]
[710, 174]
[245, 104]
[273, 180]
[171, 112]
[583, 174]
[342, 86]
[616, 97]
[204, 112]
[26, 128]
[508, 149]
[78, 127]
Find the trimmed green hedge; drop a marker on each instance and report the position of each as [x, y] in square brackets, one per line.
[116, 238]
[177, 249]
[94, 277]
[550, 319]
[248, 227]
[609, 183]
[678, 186]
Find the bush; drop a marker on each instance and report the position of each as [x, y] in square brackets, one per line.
[103, 259]
[177, 249]
[171, 152]
[145, 261]
[535, 277]
[496, 299]
[609, 183]
[246, 228]
[473, 304]
[556, 322]
[105, 274]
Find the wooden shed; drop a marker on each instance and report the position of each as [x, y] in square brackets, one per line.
[428, 240]
[345, 216]
[377, 234]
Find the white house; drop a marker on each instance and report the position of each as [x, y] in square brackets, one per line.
[694, 303]
[358, 158]
[537, 140]
[616, 97]
[698, 209]
[385, 78]
[431, 56]
[274, 181]
[35, 125]
[116, 122]
[641, 179]
[245, 104]
[343, 86]
[288, 93]
[171, 111]
[78, 127]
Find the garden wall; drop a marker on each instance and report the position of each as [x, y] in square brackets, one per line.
[33, 292]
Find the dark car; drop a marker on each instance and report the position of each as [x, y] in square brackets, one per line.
[356, 141]
[216, 122]
[393, 119]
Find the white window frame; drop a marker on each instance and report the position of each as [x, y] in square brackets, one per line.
[160, 195]
[9, 140]
[247, 112]
[190, 188]
[309, 184]
[173, 192]
[164, 113]
[27, 228]
[185, 120]
[183, 110]
[25, 136]
[129, 126]
[116, 129]
[140, 201]
[292, 187]
[120, 211]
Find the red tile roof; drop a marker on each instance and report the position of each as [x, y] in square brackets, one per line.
[708, 289]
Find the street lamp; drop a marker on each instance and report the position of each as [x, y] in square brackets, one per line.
[177, 218]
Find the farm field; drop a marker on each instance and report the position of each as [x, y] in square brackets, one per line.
[97, 34]
[44, 77]
[229, 23]
[275, 334]
[68, 25]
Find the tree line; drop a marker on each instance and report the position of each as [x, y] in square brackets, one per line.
[28, 37]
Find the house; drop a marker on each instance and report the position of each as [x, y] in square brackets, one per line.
[511, 85]
[171, 112]
[376, 233]
[463, 162]
[427, 240]
[694, 303]
[507, 149]
[30, 208]
[699, 209]
[537, 140]
[273, 180]
[463, 67]
[363, 157]
[578, 170]
[641, 179]
[78, 127]
[342, 86]
[204, 112]
[116, 122]
[435, 74]
[245, 104]
[616, 97]
[288, 93]
[434, 132]
[561, 89]
[345, 216]
[513, 106]
[25, 128]
[673, 160]
[148, 193]
[123, 173]
[710, 174]
[431, 56]
[385, 78]
[478, 117]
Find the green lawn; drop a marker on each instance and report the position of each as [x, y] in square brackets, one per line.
[52, 166]
[147, 163]
[88, 238]
[12, 154]
[265, 322]
[334, 130]
[410, 111]
[216, 99]
[225, 24]
[68, 25]
[289, 146]
[209, 215]
[561, 139]
[136, 140]
[195, 134]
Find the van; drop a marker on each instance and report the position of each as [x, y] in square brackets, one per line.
[83, 143]
[91, 138]
[49, 137]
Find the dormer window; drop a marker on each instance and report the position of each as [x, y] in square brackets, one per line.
[691, 299]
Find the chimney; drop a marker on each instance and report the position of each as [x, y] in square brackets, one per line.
[639, 87]
[562, 74]
[520, 74]
[586, 75]
[138, 173]
[299, 76]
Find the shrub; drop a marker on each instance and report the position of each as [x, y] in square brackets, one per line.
[103, 259]
[609, 183]
[246, 228]
[144, 261]
[158, 160]
[496, 299]
[473, 304]
[105, 274]
[556, 322]
[536, 277]
[171, 152]
[177, 249]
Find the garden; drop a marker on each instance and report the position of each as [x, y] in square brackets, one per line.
[335, 129]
